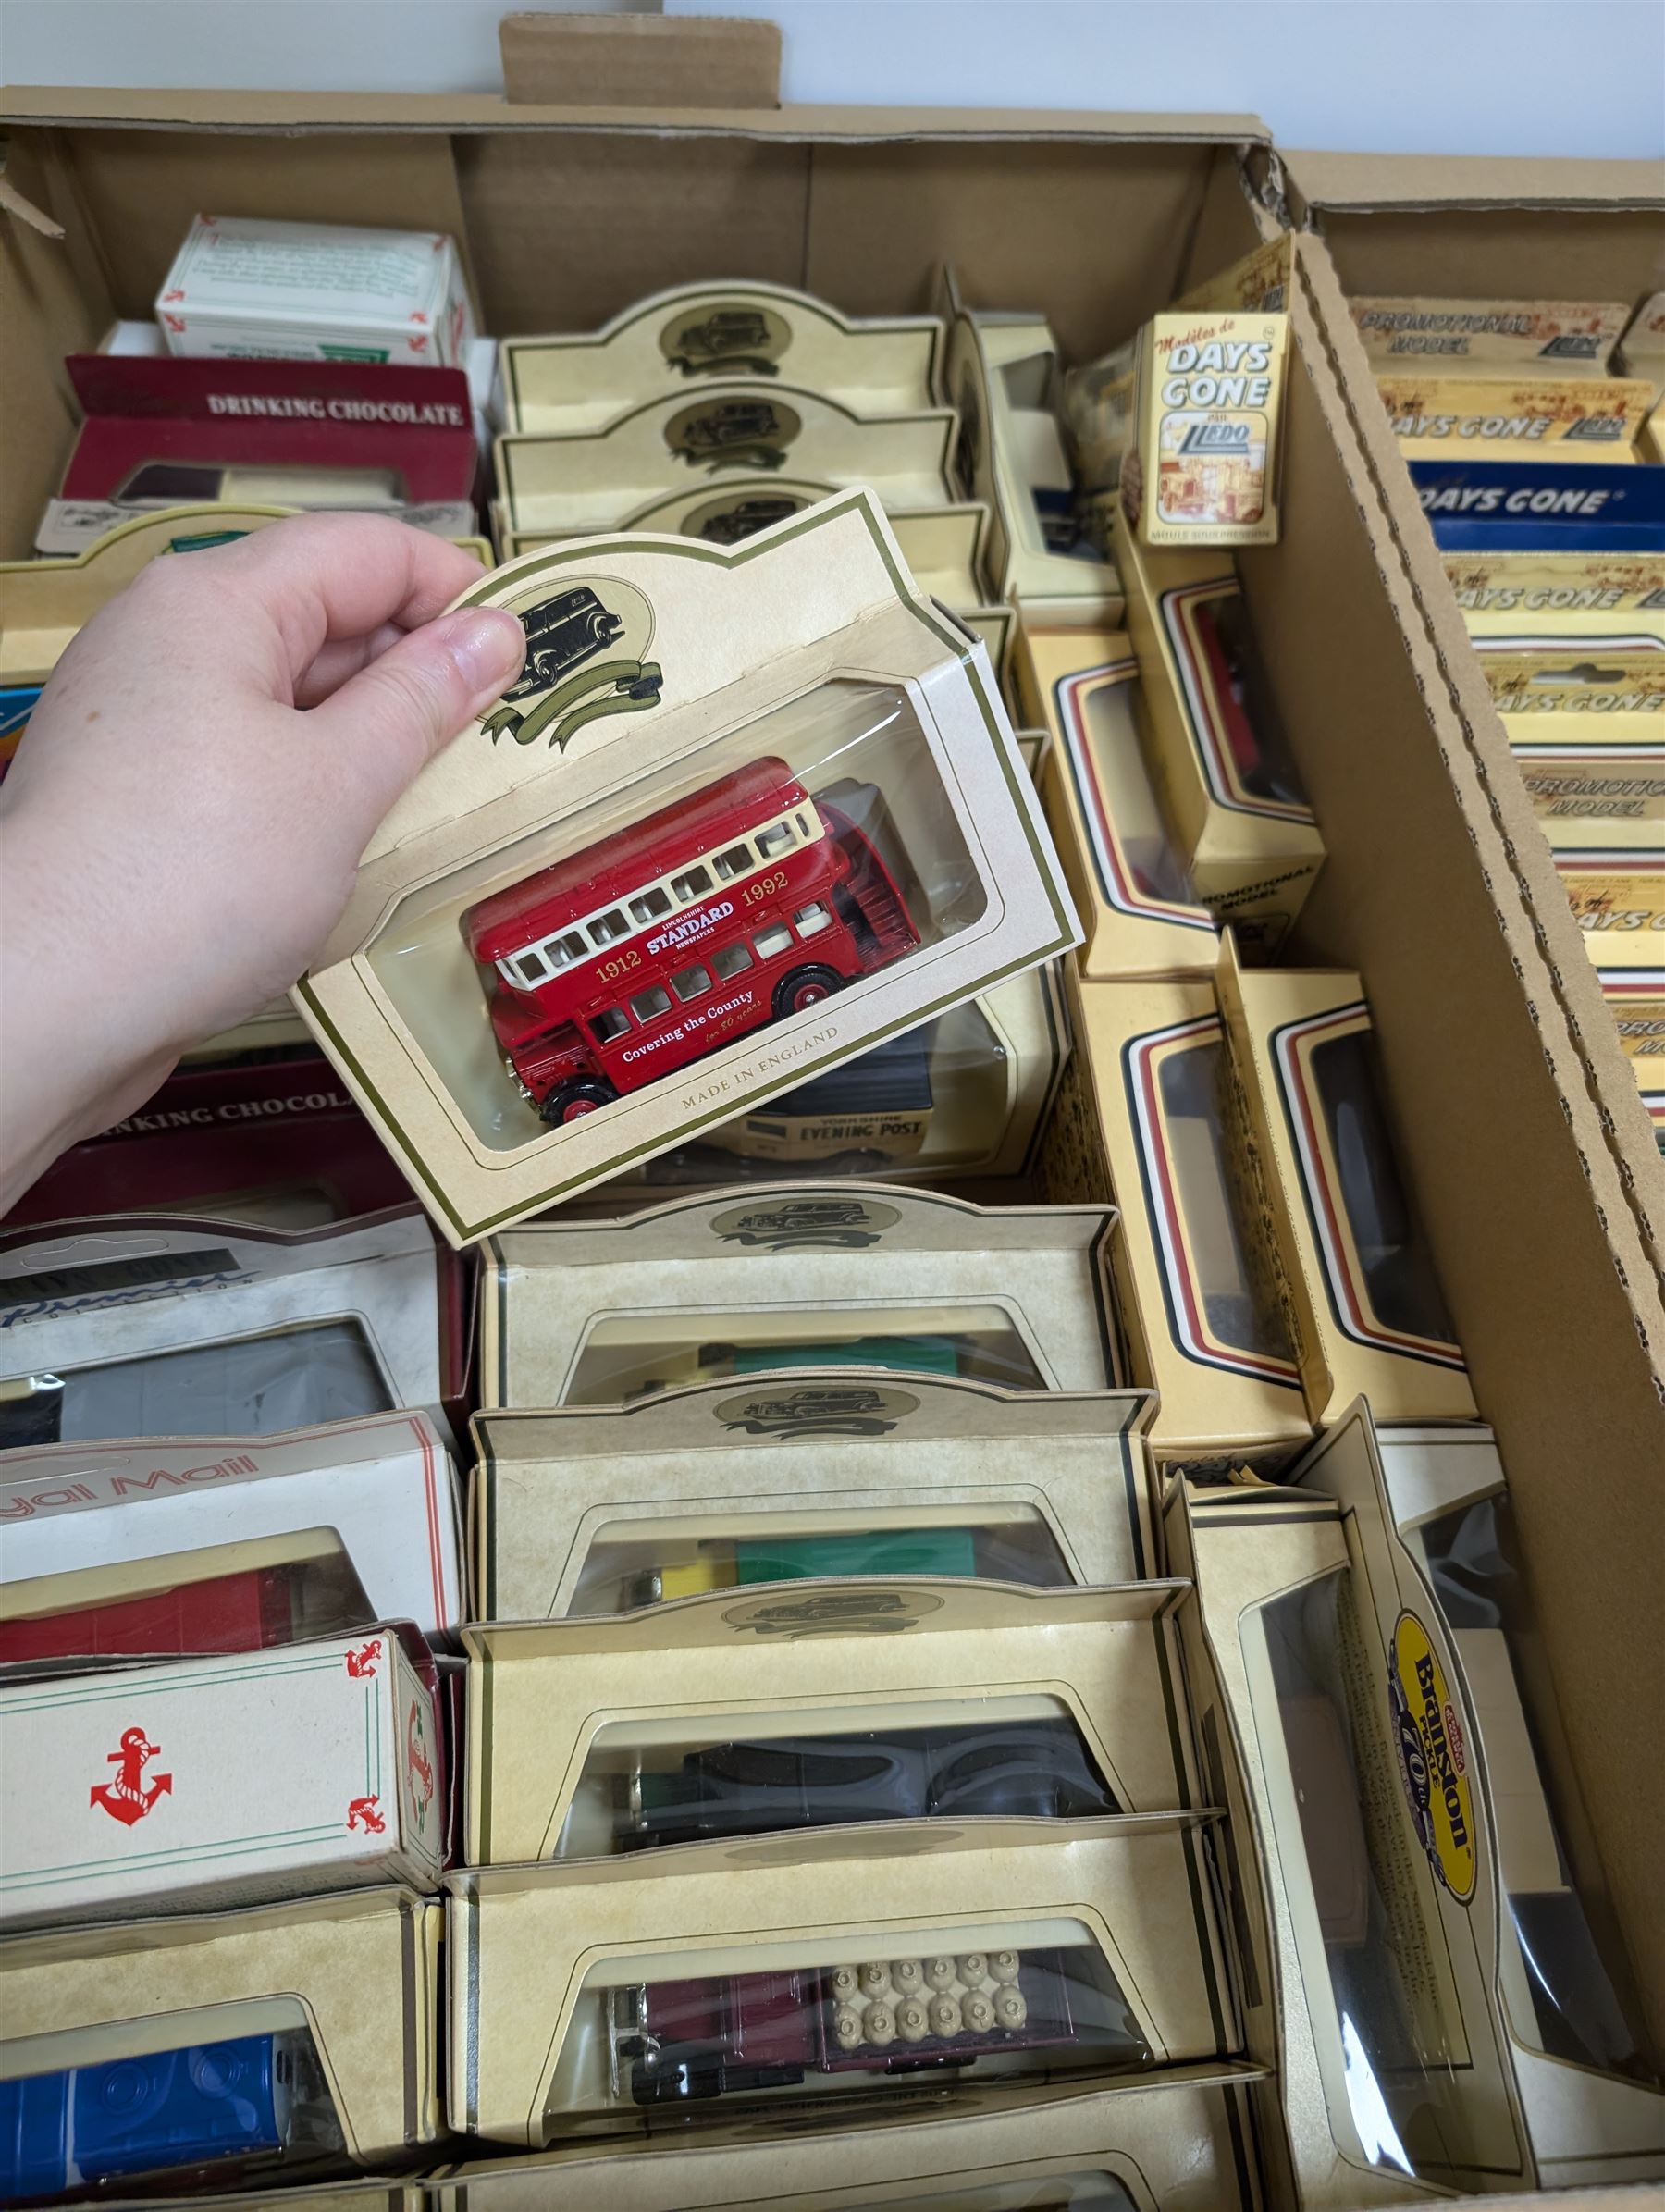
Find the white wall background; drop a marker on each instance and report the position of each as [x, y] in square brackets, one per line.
[1551, 77]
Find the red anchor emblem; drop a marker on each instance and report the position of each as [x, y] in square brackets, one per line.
[129, 1797]
[366, 1813]
[363, 1661]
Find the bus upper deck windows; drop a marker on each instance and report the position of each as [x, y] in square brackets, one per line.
[725, 886]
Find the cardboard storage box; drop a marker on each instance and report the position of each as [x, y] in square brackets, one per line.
[965, 1095]
[1231, 789]
[153, 1788]
[586, 1513]
[746, 1281]
[737, 1714]
[677, 341]
[227, 1543]
[1362, 1642]
[825, 835]
[346, 1985]
[1132, 888]
[145, 1326]
[1358, 1282]
[1504, 1071]
[1151, 1111]
[569, 1985]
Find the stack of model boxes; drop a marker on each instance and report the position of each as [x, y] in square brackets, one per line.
[228, 1573]
[1535, 430]
[978, 1658]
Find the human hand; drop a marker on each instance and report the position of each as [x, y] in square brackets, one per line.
[181, 826]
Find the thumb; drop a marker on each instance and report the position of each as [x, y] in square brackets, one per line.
[388, 721]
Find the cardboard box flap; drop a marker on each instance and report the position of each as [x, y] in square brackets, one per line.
[604, 60]
[123, 107]
[1364, 183]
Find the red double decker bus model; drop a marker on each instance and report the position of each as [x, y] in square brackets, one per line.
[747, 901]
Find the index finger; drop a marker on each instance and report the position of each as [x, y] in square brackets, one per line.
[322, 577]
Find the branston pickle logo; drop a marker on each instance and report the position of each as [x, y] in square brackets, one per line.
[838, 1221]
[818, 1409]
[586, 656]
[1433, 1756]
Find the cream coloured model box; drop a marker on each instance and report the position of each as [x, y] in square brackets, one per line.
[1486, 338]
[582, 1513]
[944, 547]
[229, 1780]
[154, 1326]
[1582, 419]
[275, 2036]
[1363, 1300]
[747, 812]
[1161, 2143]
[227, 1543]
[1183, 422]
[737, 1283]
[1134, 893]
[1547, 586]
[1005, 382]
[1152, 1112]
[1434, 1981]
[1623, 788]
[1227, 784]
[1150, 2144]
[792, 1974]
[1613, 873]
[585, 479]
[676, 342]
[748, 1712]
[965, 1095]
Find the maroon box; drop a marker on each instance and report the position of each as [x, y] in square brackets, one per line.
[168, 430]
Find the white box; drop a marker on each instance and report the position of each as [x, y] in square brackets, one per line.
[246, 290]
[237, 1780]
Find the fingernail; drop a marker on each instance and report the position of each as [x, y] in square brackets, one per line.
[488, 648]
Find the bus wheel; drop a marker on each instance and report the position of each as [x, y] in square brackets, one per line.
[802, 987]
[569, 1102]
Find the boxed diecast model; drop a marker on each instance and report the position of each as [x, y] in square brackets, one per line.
[1183, 422]
[1356, 1276]
[796, 1707]
[152, 1788]
[244, 290]
[151, 1325]
[675, 341]
[740, 1282]
[966, 1094]
[1151, 1111]
[607, 1997]
[1132, 890]
[1452, 2011]
[1004, 380]
[258, 2041]
[585, 479]
[1486, 338]
[227, 1543]
[584, 1512]
[1219, 757]
[573, 944]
